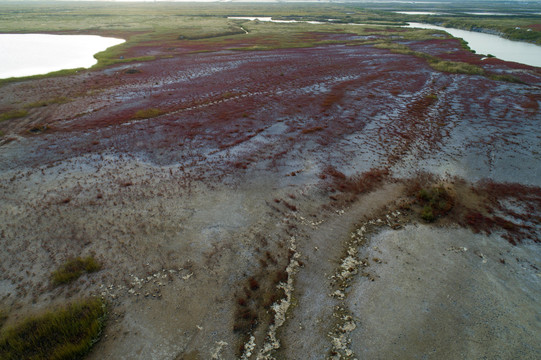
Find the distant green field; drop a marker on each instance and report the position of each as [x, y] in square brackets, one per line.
[167, 23]
[204, 19]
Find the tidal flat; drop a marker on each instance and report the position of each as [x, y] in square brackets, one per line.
[236, 189]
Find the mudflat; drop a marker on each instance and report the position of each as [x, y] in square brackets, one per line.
[291, 203]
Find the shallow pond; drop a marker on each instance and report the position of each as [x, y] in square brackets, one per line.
[508, 50]
[34, 54]
[488, 14]
[419, 12]
[270, 19]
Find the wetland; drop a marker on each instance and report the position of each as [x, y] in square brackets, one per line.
[219, 188]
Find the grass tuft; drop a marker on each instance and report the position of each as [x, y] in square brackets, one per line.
[3, 317]
[43, 103]
[436, 202]
[66, 333]
[38, 129]
[148, 113]
[14, 114]
[74, 268]
[505, 77]
[455, 67]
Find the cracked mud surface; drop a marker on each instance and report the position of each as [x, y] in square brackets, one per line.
[220, 230]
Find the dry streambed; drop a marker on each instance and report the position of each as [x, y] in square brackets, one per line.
[401, 288]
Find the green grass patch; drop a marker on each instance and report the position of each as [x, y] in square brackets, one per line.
[168, 24]
[435, 202]
[57, 100]
[114, 55]
[62, 334]
[74, 268]
[455, 67]
[505, 77]
[3, 317]
[148, 113]
[14, 114]
[65, 72]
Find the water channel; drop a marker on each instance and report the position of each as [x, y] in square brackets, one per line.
[481, 43]
[508, 50]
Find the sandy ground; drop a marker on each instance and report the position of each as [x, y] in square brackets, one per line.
[230, 184]
[455, 297]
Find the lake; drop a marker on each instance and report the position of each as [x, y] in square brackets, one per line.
[270, 19]
[508, 50]
[35, 54]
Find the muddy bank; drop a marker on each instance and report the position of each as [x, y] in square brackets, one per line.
[453, 294]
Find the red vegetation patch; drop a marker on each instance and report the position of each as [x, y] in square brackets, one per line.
[357, 184]
[536, 27]
[510, 207]
[531, 102]
[256, 296]
[333, 97]
[226, 111]
[485, 207]
[413, 124]
[289, 206]
[312, 129]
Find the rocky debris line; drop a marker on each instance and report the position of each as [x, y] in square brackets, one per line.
[217, 353]
[279, 309]
[148, 286]
[340, 340]
[302, 220]
[248, 348]
[350, 265]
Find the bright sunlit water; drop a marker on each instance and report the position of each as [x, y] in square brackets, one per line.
[508, 50]
[419, 12]
[34, 54]
[270, 19]
[488, 14]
